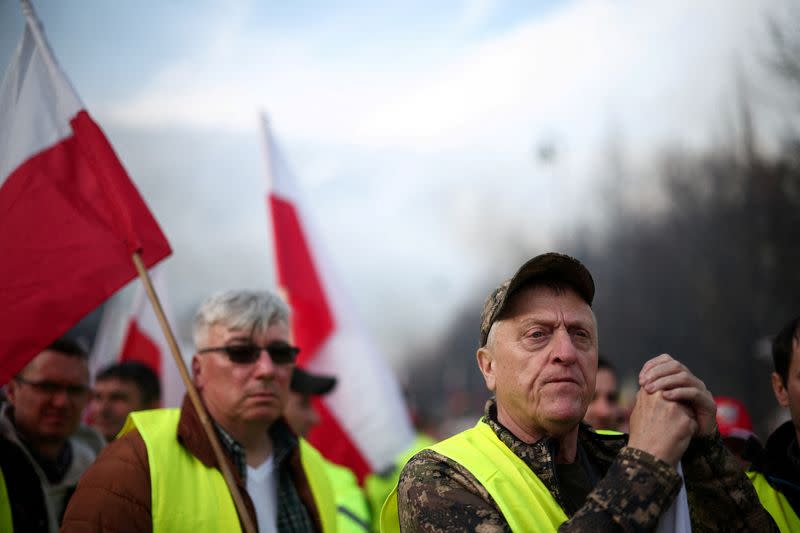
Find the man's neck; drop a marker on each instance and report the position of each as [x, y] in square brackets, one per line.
[48, 449]
[254, 438]
[567, 438]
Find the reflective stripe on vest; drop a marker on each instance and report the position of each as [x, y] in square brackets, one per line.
[188, 496]
[775, 503]
[524, 501]
[6, 523]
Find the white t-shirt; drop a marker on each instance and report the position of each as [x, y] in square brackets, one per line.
[262, 486]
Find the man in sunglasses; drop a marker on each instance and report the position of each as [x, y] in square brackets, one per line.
[42, 451]
[160, 474]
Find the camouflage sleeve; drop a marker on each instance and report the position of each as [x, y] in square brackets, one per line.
[631, 497]
[721, 497]
[437, 494]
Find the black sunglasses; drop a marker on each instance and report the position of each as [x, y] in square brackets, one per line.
[281, 353]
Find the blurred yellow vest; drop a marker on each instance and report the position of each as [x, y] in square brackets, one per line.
[189, 496]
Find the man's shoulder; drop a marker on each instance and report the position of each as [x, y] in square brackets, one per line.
[431, 470]
[118, 483]
[128, 449]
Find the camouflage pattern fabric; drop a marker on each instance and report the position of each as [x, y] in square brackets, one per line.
[437, 494]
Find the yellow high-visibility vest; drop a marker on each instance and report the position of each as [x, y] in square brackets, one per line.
[6, 523]
[775, 503]
[352, 511]
[523, 499]
[189, 496]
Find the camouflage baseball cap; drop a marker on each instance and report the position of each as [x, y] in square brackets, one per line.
[549, 266]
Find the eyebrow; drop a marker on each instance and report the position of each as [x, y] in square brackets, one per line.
[583, 323]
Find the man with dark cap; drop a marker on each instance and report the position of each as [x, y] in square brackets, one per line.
[352, 511]
[530, 465]
[776, 472]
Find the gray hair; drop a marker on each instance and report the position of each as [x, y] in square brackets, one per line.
[241, 310]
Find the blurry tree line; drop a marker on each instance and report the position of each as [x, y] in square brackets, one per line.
[708, 278]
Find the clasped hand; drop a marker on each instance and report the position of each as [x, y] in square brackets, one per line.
[672, 406]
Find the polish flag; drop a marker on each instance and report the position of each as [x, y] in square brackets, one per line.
[142, 339]
[364, 422]
[70, 218]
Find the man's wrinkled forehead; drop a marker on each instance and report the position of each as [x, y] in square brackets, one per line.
[532, 295]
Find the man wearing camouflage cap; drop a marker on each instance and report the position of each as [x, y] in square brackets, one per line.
[530, 465]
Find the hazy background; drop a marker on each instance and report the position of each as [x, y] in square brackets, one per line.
[440, 144]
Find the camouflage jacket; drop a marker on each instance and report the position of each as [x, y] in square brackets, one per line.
[437, 494]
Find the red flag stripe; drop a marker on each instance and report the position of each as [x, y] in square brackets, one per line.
[138, 346]
[62, 253]
[312, 325]
[312, 320]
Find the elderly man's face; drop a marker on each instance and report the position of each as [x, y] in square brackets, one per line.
[541, 362]
[49, 397]
[239, 394]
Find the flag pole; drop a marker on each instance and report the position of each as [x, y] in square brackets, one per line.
[244, 515]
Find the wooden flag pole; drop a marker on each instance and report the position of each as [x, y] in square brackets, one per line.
[244, 515]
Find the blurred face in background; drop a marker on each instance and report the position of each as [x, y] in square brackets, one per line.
[113, 399]
[49, 396]
[788, 394]
[300, 413]
[604, 411]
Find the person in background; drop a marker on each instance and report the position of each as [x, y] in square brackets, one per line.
[530, 465]
[352, 511]
[161, 473]
[43, 449]
[736, 429]
[776, 471]
[604, 411]
[118, 390]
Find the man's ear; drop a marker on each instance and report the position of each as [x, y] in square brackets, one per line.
[487, 364]
[780, 391]
[11, 391]
[197, 370]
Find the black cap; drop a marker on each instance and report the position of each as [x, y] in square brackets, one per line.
[549, 266]
[304, 382]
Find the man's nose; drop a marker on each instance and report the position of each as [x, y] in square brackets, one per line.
[60, 397]
[264, 364]
[563, 346]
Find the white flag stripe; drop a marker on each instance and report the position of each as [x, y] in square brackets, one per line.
[28, 126]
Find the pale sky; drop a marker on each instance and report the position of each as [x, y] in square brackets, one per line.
[412, 126]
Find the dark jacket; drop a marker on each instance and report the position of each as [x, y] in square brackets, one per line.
[114, 494]
[37, 501]
[779, 462]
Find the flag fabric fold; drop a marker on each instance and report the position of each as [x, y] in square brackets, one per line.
[364, 422]
[70, 217]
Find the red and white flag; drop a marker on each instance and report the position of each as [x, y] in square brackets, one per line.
[365, 424]
[70, 218]
[141, 338]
